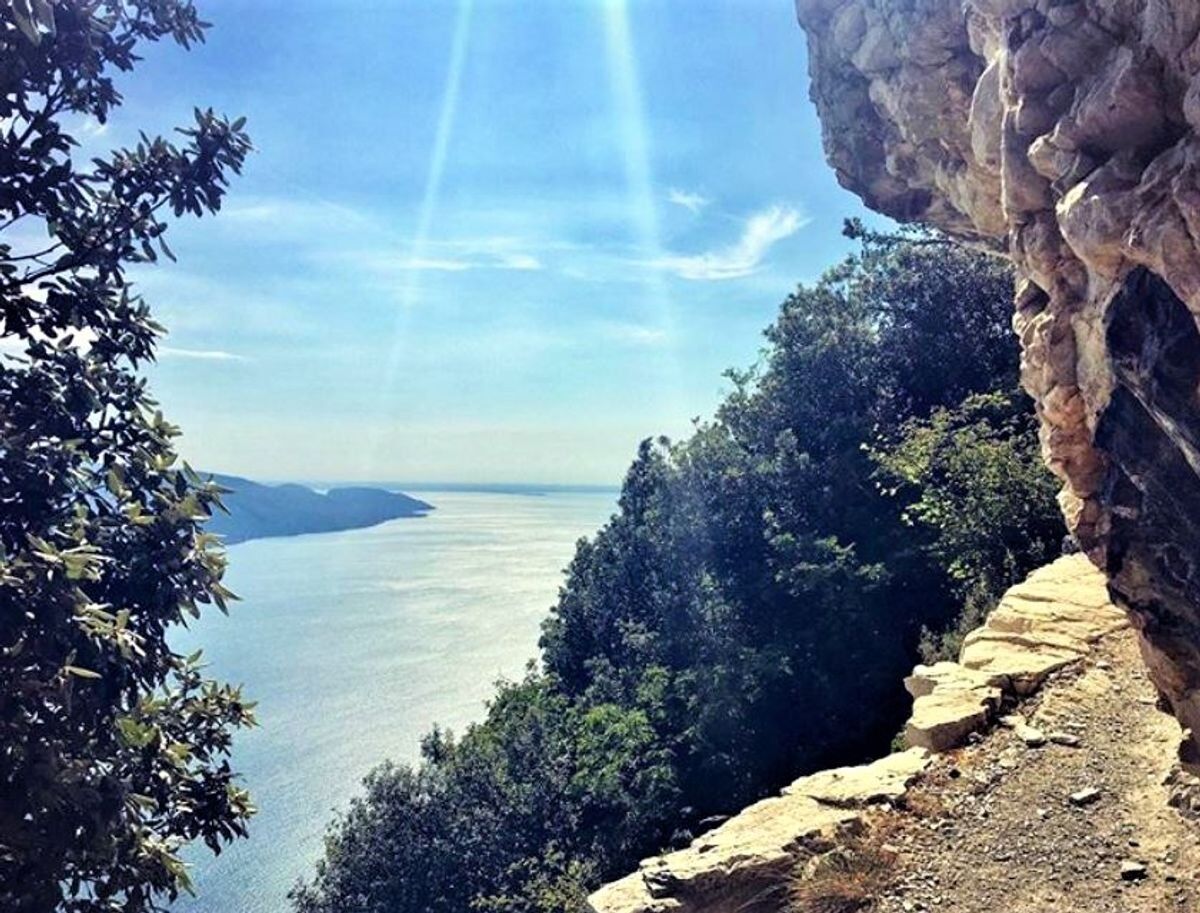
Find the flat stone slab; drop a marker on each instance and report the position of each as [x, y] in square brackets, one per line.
[1043, 624]
[947, 676]
[728, 866]
[942, 720]
[762, 840]
[1067, 600]
[886, 780]
[950, 702]
[1020, 661]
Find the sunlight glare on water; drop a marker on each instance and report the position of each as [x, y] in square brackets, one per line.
[355, 644]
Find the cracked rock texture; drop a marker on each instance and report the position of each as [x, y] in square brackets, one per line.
[738, 865]
[1045, 623]
[1062, 134]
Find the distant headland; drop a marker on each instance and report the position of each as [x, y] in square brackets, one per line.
[257, 511]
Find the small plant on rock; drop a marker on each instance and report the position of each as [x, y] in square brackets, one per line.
[846, 880]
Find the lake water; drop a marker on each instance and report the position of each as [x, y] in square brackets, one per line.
[355, 644]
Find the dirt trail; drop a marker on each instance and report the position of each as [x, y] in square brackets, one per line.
[1063, 806]
[993, 828]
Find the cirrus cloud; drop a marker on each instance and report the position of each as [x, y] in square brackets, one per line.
[689, 200]
[199, 354]
[760, 233]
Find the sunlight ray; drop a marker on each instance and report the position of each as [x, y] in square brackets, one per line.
[631, 124]
[419, 243]
[441, 143]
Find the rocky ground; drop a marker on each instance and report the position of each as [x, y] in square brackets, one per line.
[1076, 820]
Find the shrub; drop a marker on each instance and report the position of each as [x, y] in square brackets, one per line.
[973, 476]
[847, 879]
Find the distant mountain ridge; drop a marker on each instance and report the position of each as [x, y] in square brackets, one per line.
[257, 511]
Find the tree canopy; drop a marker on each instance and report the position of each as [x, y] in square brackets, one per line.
[113, 749]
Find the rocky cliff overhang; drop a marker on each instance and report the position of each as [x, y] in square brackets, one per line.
[1063, 134]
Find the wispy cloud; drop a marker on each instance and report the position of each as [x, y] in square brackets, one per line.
[199, 354]
[451, 256]
[365, 240]
[521, 262]
[387, 263]
[689, 200]
[569, 234]
[635, 334]
[282, 217]
[759, 234]
[90, 127]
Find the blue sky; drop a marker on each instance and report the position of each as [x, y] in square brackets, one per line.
[499, 241]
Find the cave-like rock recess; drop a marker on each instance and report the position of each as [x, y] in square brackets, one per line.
[1062, 134]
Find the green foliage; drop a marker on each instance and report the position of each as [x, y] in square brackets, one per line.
[509, 819]
[936, 645]
[974, 476]
[112, 748]
[744, 616]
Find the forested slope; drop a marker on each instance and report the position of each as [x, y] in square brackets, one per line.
[749, 612]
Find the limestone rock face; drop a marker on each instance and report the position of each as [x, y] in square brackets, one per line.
[1064, 135]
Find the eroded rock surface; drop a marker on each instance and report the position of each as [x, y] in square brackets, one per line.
[1062, 133]
[1043, 624]
[949, 703]
[1046, 623]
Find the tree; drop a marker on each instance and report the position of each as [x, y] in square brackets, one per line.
[974, 476]
[113, 749]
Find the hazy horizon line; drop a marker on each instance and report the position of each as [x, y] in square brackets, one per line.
[436, 485]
